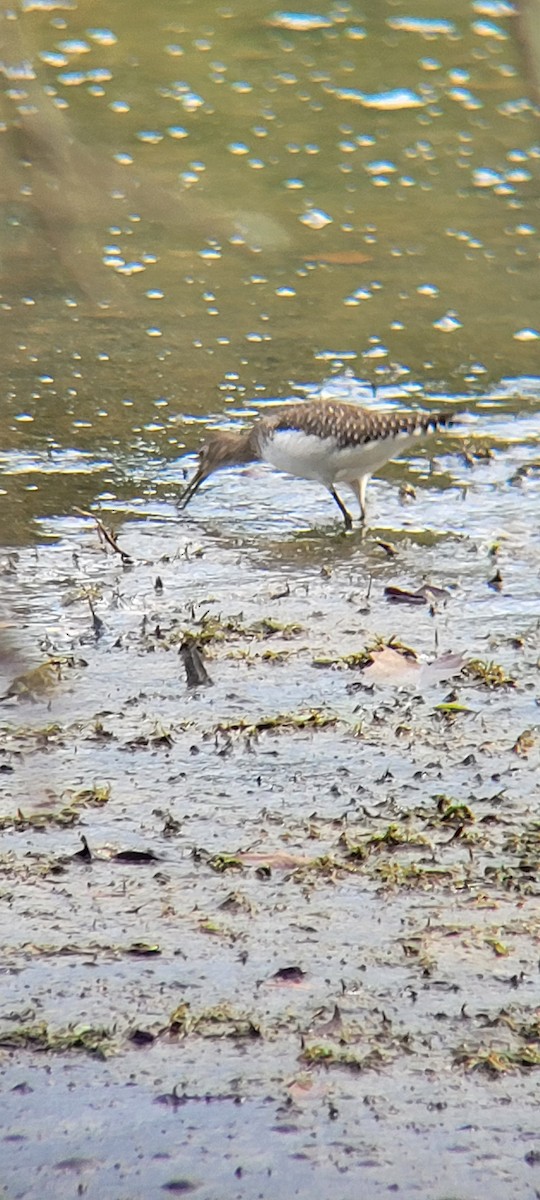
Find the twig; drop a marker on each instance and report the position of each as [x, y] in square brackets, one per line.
[105, 534]
[96, 621]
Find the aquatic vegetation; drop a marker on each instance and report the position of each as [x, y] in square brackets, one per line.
[84, 1039]
[490, 674]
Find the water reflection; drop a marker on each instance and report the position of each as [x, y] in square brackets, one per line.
[216, 207]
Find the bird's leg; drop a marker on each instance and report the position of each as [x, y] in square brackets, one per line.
[346, 515]
[359, 487]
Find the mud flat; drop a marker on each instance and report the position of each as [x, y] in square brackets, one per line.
[269, 830]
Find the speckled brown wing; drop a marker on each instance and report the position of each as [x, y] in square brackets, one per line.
[349, 424]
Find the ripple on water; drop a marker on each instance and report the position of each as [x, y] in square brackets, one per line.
[56, 462]
[103, 37]
[388, 101]
[526, 335]
[46, 5]
[299, 22]
[150, 136]
[315, 218]
[74, 46]
[72, 78]
[52, 58]
[494, 8]
[490, 29]
[448, 324]
[427, 26]
[465, 97]
[380, 167]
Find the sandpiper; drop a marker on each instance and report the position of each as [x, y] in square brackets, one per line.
[331, 441]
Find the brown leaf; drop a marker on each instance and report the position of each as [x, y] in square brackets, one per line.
[423, 595]
[136, 856]
[397, 595]
[389, 666]
[288, 976]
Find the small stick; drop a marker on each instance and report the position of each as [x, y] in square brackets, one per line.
[105, 534]
[96, 621]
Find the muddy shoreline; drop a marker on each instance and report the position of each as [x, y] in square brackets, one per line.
[279, 931]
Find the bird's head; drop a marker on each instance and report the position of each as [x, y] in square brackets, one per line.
[222, 448]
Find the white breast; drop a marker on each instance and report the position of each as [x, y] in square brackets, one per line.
[357, 461]
[311, 457]
[301, 454]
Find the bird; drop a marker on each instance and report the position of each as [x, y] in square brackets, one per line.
[330, 441]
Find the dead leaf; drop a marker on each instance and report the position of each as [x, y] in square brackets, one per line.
[423, 595]
[136, 856]
[397, 595]
[389, 666]
[444, 667]
[288, 976]
[141, 1037]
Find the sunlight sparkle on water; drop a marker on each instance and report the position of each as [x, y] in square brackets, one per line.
[447, 324]
[485, 177]
[380, 167]
[52, 59]
[430, 26]
[315, 218]
[489, 29]
[74, 46]
[103, 37]
[152, 136]
[494, 8]
[527, 335]
[300, 22]
[389, 101]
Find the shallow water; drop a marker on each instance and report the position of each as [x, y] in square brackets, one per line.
[209, 209]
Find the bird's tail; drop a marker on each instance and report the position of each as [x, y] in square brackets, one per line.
[431, 422]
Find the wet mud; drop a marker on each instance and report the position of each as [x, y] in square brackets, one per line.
[269, 820]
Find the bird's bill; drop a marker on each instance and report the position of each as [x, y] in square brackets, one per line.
[192, 487]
